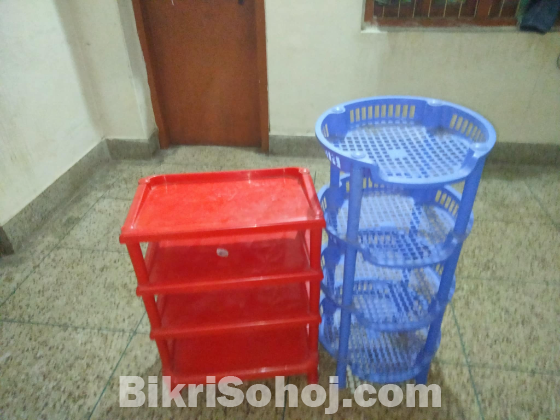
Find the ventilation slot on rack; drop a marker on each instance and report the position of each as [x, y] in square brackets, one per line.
[467, 128]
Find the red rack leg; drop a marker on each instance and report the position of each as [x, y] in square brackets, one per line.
[139, 265]
[313, 377]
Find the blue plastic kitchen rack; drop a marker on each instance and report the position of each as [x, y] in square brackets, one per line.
[395, 228]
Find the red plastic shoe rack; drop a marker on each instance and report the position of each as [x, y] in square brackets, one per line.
[231, 275]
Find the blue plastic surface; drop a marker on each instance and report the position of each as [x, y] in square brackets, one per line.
[386, 299]
[376, 356]
[397, 227]
[405, 140]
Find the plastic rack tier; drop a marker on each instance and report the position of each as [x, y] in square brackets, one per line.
[398, 227]
[405, 140]
[386, 299]
[196, 265]
[234, 260]
[376, 356]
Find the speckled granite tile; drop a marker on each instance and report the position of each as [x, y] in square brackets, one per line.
[512, 324]
[13, 270]
[100, 228]
[126, 188]
[104, 176]
[127, 174]
[296, 146]
[54, 373]
[544, 182]
[514, 395]
[457, 397]
[209, 155]
[141, 359]
[79, 288]
[512, 251]
[59, 225]
[123, 190]
[450, 349]
[322, 177]
[144, 327]
[40, 209]
[503, 195]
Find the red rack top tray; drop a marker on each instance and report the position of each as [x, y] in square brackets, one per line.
[217, 203]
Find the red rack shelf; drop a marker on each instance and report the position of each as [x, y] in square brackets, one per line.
[248, 355]
[234, 260]
[194, 265]
[205, 204]
[262, 308]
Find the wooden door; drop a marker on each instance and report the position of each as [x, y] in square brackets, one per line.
[206, 62]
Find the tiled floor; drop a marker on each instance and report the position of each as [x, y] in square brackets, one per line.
[71, 324]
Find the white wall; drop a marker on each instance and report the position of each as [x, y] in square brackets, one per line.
[46, 123]
[107, 42]
[71, 74]
[318, 56]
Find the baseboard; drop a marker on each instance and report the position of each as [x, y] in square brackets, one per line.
[298, 146]
[503, 152]
[6, 247]
[525, 153]
[133, 149]
[32, 216]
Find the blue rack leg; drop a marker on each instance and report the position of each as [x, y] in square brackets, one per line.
[422, 377]
[334, 183]
[463, 216]
[354, 205]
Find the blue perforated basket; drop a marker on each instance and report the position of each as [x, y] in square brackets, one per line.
[405, 140]
[376, 356]
[398, 227]
[386, 299]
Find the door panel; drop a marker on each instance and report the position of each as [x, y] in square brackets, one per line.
[204, 65]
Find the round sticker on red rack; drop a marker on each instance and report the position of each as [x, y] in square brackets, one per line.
[222, 252]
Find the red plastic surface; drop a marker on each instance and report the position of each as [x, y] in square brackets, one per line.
[217, 312]
[234, 258]
[216, 203]
[248, 355]
[195, 265]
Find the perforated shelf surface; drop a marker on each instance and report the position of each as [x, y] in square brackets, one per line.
[384, 298]
[376, 356]
[404, 140]
[407, 150]
[397, 228]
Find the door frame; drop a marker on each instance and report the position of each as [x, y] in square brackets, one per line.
[164, 140]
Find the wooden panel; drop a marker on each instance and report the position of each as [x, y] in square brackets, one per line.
[152, 81]
[205, 71]
[262, 74]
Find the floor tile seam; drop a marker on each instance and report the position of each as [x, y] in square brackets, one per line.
[132, 335]
[35, 266]
[75, 327]
[542, 206]
[463, 347]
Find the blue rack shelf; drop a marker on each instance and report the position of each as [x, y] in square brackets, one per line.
[398, 227]
[376, 356]
[383, 298]
[406, 140]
